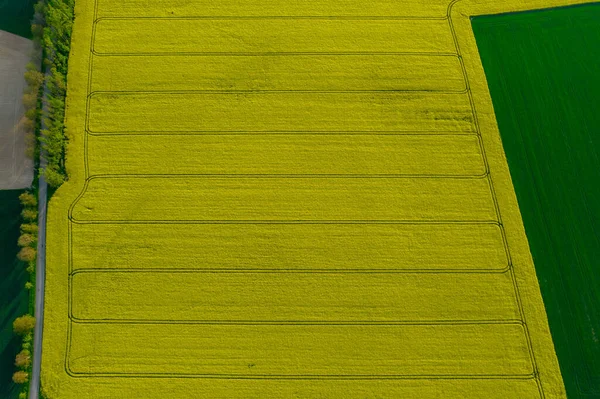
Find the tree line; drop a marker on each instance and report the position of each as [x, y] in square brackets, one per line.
[51, 27]
[43, 122]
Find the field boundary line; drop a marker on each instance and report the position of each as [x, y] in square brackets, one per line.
[285, 132]
[231, 376]
[266, 91]
[425, 322]
[297, 221]
[289, 176]
[285, 17]
[313, 377]
[272, 54]
[288, 271]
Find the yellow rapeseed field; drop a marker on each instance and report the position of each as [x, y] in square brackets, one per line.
[288, 199]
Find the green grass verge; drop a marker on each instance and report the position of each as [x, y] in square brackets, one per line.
[542, 71]
[15, 16]
[14, 299]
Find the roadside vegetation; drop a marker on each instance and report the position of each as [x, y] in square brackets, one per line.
[26, 259]
[14, 298]
[52, 25]
[43, 122]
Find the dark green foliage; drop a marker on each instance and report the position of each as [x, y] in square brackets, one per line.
[542, 70]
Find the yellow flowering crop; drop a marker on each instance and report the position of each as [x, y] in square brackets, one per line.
[288, 199]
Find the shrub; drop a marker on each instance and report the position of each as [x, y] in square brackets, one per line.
[23, 359]
[30, 145]
[33, 77]
[20, 377]
[30, 228]
[28, 199]
[23, 395]
[29, 214]
[27, 124]
[26, 254]
[53, 176]
[31, 267]
[26, 240]
[24, 325]
[30, 100]
[32, 113]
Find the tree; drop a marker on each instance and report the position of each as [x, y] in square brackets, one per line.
[30, 228]
[29, 214]
[23, 359]
[53, 177]
[24, 325]
[28, 199]
[26, 254]
[32, 113]
[30, 100]
[25, 240]
[20, 377]
[27, 124]
[33, 77]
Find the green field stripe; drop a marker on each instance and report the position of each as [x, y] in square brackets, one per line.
[302, 72]
[154, 36]
[285, 199]
[382, 8]
[264, 112]
[292, 350]
[363, 247]
[283, 297]
[287, 155]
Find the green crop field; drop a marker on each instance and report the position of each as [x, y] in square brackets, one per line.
[15, 16]
[14, 299]
[542, 70]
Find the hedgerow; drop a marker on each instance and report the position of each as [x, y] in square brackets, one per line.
[56, 19]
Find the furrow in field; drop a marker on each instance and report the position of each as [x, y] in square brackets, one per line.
[284, 199]
[300, 350]
[276, 111]
[301, 72]
[285, 154]
[243, 247]
[292, 297]
[270, 35]
[285, 8]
